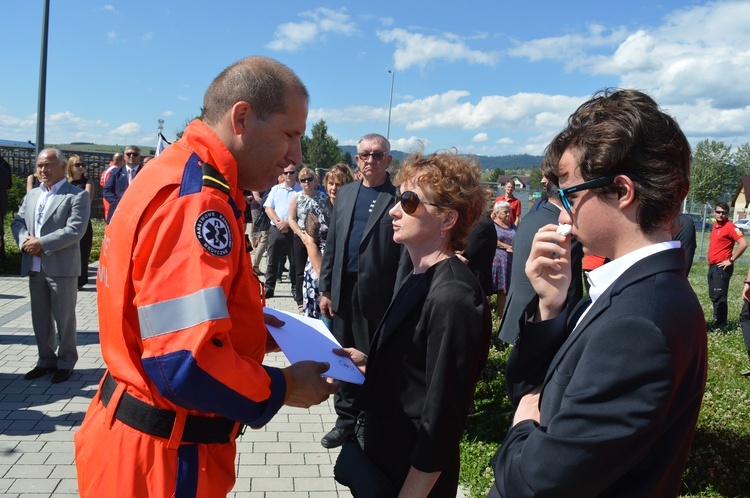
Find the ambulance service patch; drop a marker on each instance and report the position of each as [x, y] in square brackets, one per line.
[214, 234]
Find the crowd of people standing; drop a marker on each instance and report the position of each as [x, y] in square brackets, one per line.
[399, 263]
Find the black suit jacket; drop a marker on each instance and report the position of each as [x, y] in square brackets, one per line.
[115, 188]
[686, 236]
[620, 393]
[521, 292]
[425, 360]
[382, 262]
[480, 251]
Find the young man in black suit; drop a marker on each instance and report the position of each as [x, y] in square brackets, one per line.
[608, 393]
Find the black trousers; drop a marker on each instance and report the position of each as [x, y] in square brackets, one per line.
[352, 330]
[299, 258]
[85, 244]
[279, 247]
[745, 325]
[718, 288]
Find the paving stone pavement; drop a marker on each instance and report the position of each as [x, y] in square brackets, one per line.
[38, 419]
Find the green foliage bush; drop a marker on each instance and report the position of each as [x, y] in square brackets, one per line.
[718, 463]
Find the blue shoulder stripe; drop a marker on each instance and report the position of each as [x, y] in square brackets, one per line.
[192, 176]
[179, 379]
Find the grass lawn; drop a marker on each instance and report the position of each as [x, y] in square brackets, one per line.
[719, 461]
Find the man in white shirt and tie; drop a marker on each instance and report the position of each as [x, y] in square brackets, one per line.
[120, 179]
[50, 223]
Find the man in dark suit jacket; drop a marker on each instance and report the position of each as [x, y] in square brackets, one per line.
[608, 394]
[120, 179]
[362, 266]
[684, 231]
[48, 227]
[521, 292]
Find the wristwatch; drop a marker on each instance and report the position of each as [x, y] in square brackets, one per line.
[731, 259]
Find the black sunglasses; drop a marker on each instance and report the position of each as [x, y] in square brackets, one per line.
[306, 180]
[136, 154]
[288, 172]
[377, 156]
[589, 184]
[719, 212]
[80, 165]
[410, 201]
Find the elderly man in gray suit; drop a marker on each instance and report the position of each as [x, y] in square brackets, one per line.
[50, 223]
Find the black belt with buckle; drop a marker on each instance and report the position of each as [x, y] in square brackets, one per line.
[159, 422]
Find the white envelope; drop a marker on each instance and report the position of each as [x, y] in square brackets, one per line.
[303, 338]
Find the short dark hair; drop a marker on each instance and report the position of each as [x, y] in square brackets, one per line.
[262, 82]
[625, 131]
[722, 205]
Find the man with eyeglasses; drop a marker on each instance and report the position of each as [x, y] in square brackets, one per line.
[607, 393]
[280, 236]
[362, 266]
[121, 178]
[48, 228]
[721, 260]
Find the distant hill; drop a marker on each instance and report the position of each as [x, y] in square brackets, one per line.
[509, 162]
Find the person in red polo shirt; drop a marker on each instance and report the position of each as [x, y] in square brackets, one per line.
[515, 204]
[721, 260]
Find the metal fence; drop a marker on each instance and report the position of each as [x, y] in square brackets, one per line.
[22, 161]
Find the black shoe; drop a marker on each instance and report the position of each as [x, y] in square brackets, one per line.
[269, 293]
[61, 375]
[38, 372]
[336, 437]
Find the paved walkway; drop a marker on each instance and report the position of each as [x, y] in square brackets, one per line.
[38, 419]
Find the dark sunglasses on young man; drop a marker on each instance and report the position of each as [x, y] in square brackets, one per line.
[377, 156]
[591, 184]
[410, 201]
[132, 154]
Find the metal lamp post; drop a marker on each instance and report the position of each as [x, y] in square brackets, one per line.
[390, 105]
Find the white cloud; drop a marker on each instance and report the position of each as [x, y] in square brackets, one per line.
[148, 36]
[409, 144]
[570, 47]
[480, 137]
[167, 114]
[110, 8]
[414, 49]
[127, 129]
[505, 141]
[111, 36]
[183, 97]
[292, 36]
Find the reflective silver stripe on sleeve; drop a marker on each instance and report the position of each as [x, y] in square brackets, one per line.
[181, 313]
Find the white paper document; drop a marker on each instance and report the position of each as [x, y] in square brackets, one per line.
[303, 338]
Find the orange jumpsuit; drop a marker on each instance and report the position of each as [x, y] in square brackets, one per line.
[181, 328]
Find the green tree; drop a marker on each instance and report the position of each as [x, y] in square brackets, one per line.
[348, 159]
[321, 150]
[742, 159]
[712, 175]
[491, 175]
[535, 178]
[179, 133]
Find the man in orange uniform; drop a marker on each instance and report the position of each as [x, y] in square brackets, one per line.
[181, 325]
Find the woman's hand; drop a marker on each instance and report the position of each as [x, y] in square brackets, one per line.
[358, 357]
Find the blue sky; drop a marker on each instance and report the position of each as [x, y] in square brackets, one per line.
[484, 77]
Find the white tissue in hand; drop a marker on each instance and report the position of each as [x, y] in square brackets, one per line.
[564, 229]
